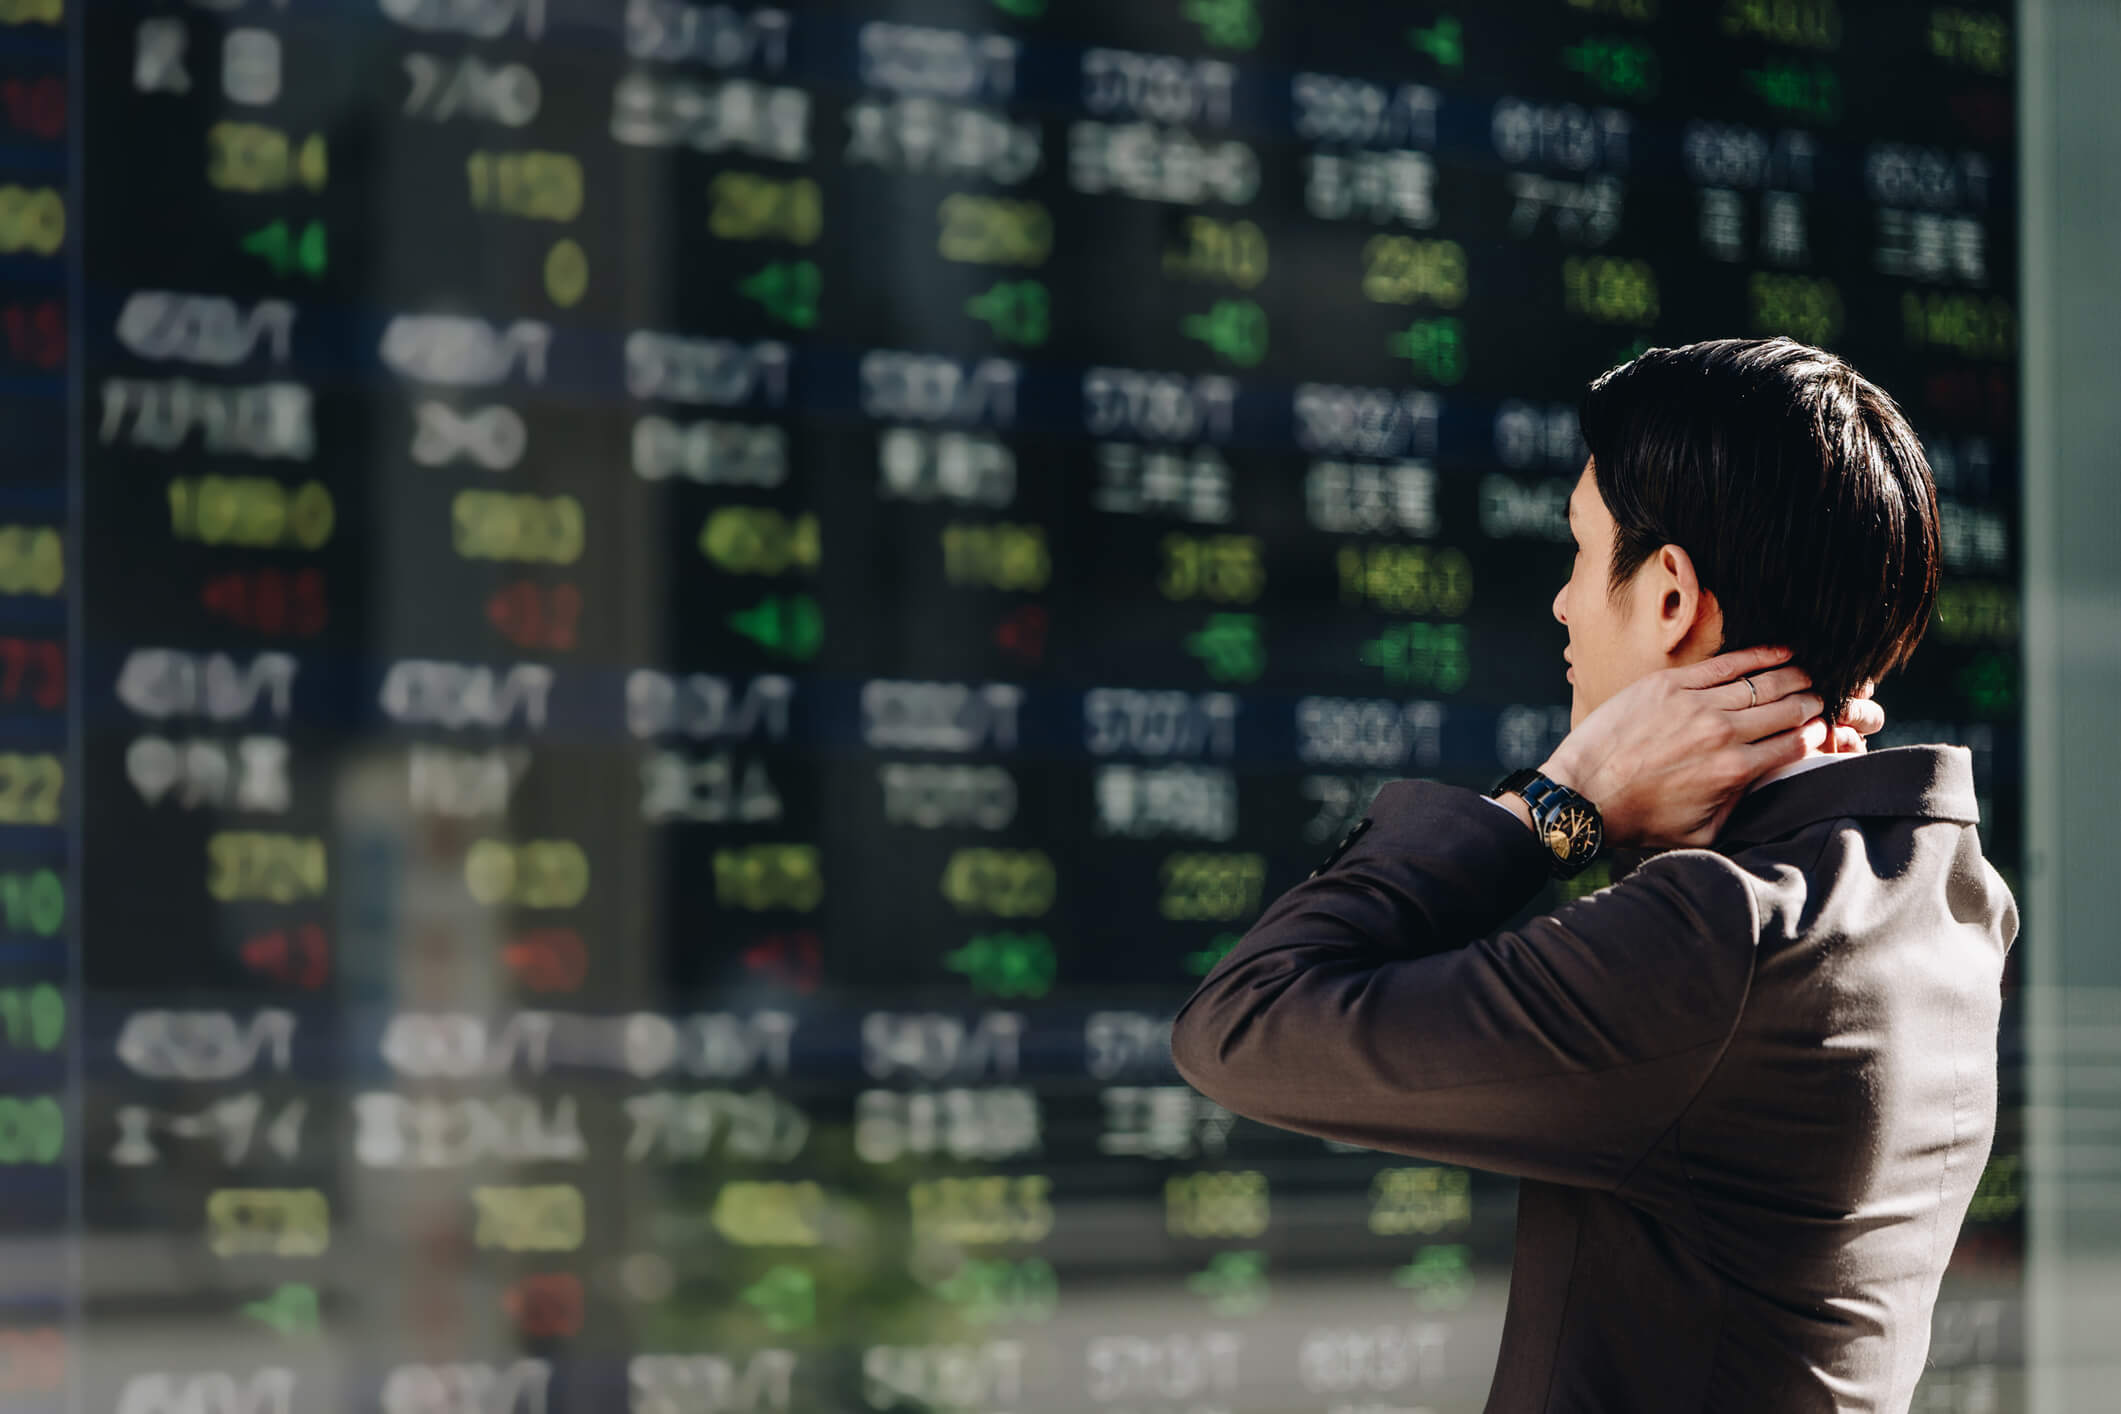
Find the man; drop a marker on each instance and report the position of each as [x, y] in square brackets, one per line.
[1750, 1086]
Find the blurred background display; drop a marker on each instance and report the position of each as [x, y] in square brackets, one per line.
[646, 643]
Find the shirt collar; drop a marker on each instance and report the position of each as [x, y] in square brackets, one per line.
[1933, 782]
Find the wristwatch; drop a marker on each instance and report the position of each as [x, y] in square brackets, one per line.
[1567, 824]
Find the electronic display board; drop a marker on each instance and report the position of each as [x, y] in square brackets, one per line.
[646, 643]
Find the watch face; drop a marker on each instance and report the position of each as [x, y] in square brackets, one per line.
[1572, 833]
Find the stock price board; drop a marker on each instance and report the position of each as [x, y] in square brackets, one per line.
[647, 642]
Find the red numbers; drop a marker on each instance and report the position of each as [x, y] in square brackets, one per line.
[299, 956]
[545, 1305]
[35, 106]
[34, 668]
[36, 333]
[530, 615]
[269, 601]
[548, 959]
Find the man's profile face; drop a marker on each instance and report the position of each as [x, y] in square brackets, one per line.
[1604, 654]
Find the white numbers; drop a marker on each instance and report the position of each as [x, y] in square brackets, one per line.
[707, 706]
[393, 1131]
[730, 115]
[1142, 802]
[1902, 174]
[491, 437]
[1366, 422]
[678, 368]
[270, 1390]
[710, 1384]
[1585, 212]
[912, 387]
[987, 1125]
[1134, 480]
[1972, 539]
[1184, 1365]
[1159, 164]
[939, 716]
[1561, 135]
[1342, 799]
[1158, 407]
[1528, 434]
[965, 467]
[463, 785]
[169, 327]
[759, 1127]
[457, 1045]
[710, 453]
[719, 36]
[1127, 720]
[1511, 509]
[1162, 88]
[482, 19]
[984, 1376]
[1363, 498]
[943, 139]
[1115, 1042]
[442, 89]
[934, 1047]
[1371, 186]
[938, 63]
[1364, 114]
[249, 774]
[1341, 1360]
[270, 420]
[1731, 155]
[159, 683]
[426, 692]
[717, 1045]
[205, 1045]
[1526, 736]
[1162, 1122]
[707, 790]
[1346, 731]
[517, 1388]
[463, 351]
[935, 797]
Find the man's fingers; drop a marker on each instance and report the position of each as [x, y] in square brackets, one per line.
[1864, 715]
[1726, 666]
[1770, 686]
[1783, 747]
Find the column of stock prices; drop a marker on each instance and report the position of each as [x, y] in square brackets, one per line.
[646, 643]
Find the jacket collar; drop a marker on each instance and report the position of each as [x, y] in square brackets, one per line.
[1934, 782]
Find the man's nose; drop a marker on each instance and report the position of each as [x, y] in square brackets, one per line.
[1561, 605]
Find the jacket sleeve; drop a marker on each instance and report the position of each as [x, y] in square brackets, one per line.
[1372, 1004]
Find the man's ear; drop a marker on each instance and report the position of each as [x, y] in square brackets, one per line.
[1687, 614]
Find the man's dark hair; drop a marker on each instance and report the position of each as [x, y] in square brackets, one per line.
[1793, 482]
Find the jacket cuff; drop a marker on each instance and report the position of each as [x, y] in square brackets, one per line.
[1467, 864]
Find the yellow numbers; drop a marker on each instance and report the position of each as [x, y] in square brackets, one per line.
[495, 525]
[1406, 579]
[989, 1208]
[32, 560]
[566, 273]
[31, 219]
[764, 876]
[1971, 39]
[759, 540]
[1212, 886]
[546, 1217]
[748, 207]
[254, 511]
[1000, 556]
[1975, 612]
[1420, 1201]
[1213, 1204]
[1014, 883]
[1796, 305]
[1805, 24]
[256, 864]
[267, 1222]
[1973, 326]
[538, 186]
[1609, 291]
[30, 788]
[32, 12]
[986, 230]
[1233, 252]
[252, 157]
[1402, 270]
[1225, 568]
[766, 1214]
[534, 874]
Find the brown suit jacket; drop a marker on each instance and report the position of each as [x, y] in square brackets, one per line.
[1749, 1089]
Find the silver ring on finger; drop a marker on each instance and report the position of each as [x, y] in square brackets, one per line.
[1754, 690]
